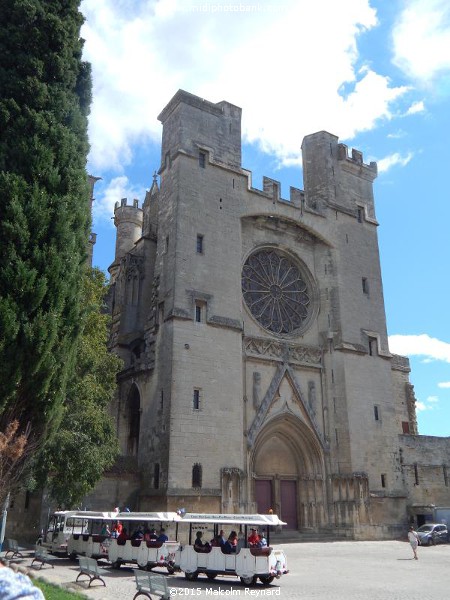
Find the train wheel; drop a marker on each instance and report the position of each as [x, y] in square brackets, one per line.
[211, 575]
[248, 580]
[191, 576]
[266, 579]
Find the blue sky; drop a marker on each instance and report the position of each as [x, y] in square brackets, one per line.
[374, 73]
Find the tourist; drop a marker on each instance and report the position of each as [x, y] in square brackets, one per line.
[199, 545]
[123, 536]
[116, 530]
[413, 539]
[162, 537]
[253, 538]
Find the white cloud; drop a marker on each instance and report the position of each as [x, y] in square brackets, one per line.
[291, 70]
[429, 404]
[416, 107]
[420, 345]
[422, 39]
[392, 160]
[118, 188]
[444, 384]
[395, 135]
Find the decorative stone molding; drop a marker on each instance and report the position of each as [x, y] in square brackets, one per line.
[271, 394]
[282, 351]
[179, 313]
[218, 321]
[194, 492]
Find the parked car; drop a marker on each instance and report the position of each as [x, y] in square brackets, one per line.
[432, 533]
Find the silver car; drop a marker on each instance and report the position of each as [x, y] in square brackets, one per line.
[432, 533]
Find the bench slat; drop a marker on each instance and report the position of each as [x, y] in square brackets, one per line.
[42, 556]
[13, 547]
[89, 567]
[151, 583]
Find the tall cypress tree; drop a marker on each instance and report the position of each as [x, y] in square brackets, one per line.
[44, 210]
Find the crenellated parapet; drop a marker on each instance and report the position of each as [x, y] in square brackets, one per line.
[355, 163]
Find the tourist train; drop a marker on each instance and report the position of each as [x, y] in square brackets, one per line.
[95, 534]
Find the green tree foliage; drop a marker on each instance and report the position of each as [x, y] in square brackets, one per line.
[44, 208]
[86, 442]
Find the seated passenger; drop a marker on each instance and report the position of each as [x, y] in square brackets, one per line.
[228, 548]
[122, 537]
[199, 545]
[216, 541]
[138, 534]
[231, 543]
[232, 538]
[262, 540]
[150, 535]
[116, 530]
[253, 538]
[105, 530]
[162, 537]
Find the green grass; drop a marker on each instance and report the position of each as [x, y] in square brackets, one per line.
[53, 592]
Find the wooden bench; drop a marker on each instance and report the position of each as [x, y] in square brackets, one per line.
[43, 557]
[13, 547]
[89, 567]
[148, 584]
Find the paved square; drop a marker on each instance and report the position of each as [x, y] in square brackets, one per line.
[318, 571]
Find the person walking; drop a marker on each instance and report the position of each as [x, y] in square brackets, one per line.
[413, 539]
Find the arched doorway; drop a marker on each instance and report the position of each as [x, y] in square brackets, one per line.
[288, 468]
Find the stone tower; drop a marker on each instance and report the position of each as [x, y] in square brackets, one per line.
[92, 236]
[257, 373]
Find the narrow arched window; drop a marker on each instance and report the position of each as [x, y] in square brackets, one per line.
[156, 476]
[197, 476]
[134, 420]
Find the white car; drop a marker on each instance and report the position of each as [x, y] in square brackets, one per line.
[432, 533]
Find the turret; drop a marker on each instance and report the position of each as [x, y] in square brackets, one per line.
[92, 236]
[333, 177]
[128, 220]
[211, 132]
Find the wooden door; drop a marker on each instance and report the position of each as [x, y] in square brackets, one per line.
[288, 501]
[263, 495]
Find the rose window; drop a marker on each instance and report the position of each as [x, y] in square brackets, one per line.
[275, 291]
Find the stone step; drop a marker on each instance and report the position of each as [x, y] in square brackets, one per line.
[290, 536]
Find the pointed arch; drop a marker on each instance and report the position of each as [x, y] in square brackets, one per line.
[288, 466]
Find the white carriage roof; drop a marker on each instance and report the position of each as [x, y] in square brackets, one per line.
[173, 517]
[260, 520]
[149, 516]
[93, 515]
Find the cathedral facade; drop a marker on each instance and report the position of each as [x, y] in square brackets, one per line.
[257, 373]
